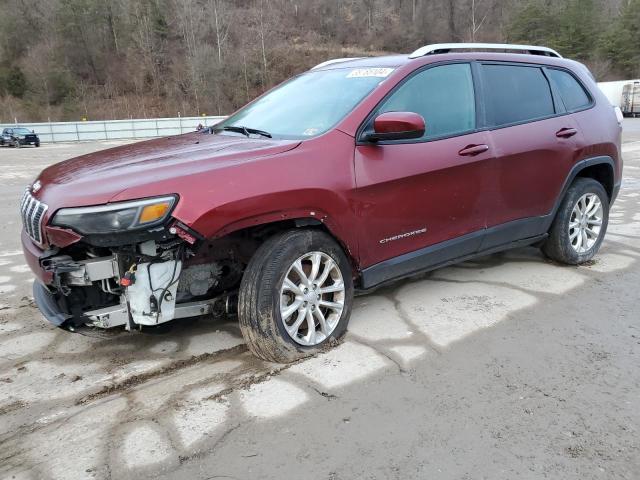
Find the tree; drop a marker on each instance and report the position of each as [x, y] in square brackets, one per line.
[479, 13]
[148, 33]
[577, 29]
[621, 44]
[572, 27]
[115, 58]
[221, 24]
[533, 23]
[13, 82]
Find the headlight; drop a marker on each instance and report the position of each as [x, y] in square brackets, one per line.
[115, 217]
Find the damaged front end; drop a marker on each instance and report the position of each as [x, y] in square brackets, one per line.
[132, 267]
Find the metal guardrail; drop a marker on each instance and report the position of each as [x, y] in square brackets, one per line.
[115, 129]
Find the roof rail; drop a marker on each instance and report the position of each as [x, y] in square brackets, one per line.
[447, 47]
[335, 60]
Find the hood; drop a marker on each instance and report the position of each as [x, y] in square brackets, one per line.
[99, 177]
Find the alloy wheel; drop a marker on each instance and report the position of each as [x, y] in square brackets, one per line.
[585, 223]
[312, 298]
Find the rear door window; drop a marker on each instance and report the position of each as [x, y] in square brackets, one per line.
[443, 95]
[572, 93]
[516, 94]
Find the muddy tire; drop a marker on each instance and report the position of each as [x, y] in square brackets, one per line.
[580, 224]
[295, 296]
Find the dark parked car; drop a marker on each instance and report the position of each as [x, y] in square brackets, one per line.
[354, 174]
[19, 136]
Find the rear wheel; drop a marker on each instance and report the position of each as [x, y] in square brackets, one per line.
[580, 224]
[295, 296]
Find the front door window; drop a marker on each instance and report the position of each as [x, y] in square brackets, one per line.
[444, 97]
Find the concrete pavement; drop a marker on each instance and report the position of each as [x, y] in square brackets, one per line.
[506, 367]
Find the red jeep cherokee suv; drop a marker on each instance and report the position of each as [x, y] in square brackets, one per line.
[348, 176]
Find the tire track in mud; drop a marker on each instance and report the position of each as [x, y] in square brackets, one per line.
[251, 371]
[124, 387]
[135, 380]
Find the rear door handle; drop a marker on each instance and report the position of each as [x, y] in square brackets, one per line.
[471, 150]
[566, 132]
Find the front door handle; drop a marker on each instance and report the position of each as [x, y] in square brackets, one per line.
[566, 132]
[471, 150]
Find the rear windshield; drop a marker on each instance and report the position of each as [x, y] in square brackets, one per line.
[308, 105]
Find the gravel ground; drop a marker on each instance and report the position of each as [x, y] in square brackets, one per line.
[506, 367]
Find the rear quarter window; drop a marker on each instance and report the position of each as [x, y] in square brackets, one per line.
[571, 92]
[516, 94]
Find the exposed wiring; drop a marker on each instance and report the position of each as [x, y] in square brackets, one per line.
[180, 255]
[174, 280]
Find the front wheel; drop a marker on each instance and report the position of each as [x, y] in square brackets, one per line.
[16, 144]
[295, 296]
[580, 224]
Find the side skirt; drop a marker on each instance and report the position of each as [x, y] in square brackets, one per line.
[485, 242]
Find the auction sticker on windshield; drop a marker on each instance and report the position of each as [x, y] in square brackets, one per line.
[370, 72]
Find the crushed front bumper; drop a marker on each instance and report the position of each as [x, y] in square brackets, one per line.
[32, 255]
[48, 306]
[75, 288]
[116, 315]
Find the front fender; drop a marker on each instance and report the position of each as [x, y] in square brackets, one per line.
[315, 180]
[335, 213]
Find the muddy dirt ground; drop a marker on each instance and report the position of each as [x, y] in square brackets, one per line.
[506, 367]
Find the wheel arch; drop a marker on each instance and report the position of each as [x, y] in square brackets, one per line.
[601, 169]
[602, 172]
[266, 225]
[235, 225]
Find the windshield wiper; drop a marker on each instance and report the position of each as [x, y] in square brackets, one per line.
[246, 130]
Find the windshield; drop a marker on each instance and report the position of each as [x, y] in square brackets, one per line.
[21, 131]
[307, 105]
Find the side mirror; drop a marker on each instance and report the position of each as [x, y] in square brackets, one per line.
[397, 126]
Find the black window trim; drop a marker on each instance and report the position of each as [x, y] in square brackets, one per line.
[556, 95]
[479, 107]
[558, 105]
[479, 89]
[591, 103]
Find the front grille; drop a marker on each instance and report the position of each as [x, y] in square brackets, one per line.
[32, 212]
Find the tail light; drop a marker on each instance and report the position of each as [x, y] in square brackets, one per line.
[619, 115]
